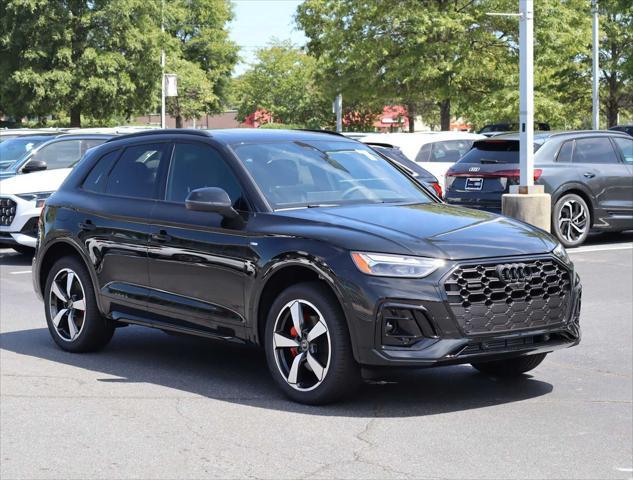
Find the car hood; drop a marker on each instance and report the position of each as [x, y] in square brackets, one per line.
[45, 181]
[436, 230]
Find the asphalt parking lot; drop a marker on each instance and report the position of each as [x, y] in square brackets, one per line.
[156, 406]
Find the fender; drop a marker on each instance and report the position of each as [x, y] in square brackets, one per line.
[41, 254]
[565, 187]
[292, 259]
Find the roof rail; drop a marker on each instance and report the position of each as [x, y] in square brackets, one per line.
[329, 132]
[163, 131]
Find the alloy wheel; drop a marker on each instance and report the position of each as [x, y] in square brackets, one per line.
[302, 346]
[572, 220]
[67, 304]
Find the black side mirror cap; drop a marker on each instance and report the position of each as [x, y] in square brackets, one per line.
[34, 165]
[211, 199]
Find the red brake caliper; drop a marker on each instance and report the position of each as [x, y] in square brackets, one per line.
[293, 332]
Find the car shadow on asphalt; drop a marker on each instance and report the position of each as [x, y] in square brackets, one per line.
[12, 258]
[238, 374]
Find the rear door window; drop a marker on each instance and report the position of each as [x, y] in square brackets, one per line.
[594, 150]
[424, 154]
[136, 172]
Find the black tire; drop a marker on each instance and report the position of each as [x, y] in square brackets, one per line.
[342, 377]
[558, 230]
[511, 367]
[95, 331]
[23, 250]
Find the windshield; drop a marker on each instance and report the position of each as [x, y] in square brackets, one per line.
[324, 173]
[14, 149]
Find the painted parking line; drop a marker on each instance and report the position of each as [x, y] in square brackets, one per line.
[601, 248]
[20, 272]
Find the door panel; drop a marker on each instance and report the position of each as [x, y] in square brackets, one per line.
[122, 188]
[597, 165]
[198, 264]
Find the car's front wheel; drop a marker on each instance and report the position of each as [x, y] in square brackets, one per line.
[72, 315]
[511, 367]
[308, 347]
[571, 220]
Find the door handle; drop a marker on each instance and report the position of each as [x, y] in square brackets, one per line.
[161, 236]
[87, 225]
[589, 175]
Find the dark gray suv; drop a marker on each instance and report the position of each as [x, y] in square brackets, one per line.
[588, 173]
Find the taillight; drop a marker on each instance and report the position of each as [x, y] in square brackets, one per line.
[438, 189]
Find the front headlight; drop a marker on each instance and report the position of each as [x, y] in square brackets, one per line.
[38, 197]
[562, 254]
[388, 265]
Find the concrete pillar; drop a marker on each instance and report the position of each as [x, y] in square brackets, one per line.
[529, 204]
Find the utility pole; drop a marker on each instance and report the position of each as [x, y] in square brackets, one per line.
[526, 91]
[338, 109]
[595, 90]
[162, 66]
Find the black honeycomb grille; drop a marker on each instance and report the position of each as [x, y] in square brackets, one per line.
[490, 298]
[7, 211]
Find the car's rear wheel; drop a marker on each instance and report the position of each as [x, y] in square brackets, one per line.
[72, 315]
[571, 220]
[308, 348]
[511, 367]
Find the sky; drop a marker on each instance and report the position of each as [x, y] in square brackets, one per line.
[256, 22]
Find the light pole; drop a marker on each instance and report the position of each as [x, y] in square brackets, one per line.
[526, 201]
[162, 66]
[526, 91]
[338, 109]
[595, 88]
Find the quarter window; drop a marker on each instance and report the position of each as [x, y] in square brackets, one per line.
[196, 166]
[594, 150]
[98, 176]
[625, 145]
[136, 172]
[425, 153]
[564, 154]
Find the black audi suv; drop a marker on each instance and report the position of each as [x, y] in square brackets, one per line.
[311, 245]
[589, 175]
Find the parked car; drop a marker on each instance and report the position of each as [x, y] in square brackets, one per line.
[414, 169]
[628, 129]
[21, 200]
[489, 130]
[60, 151]
[11, 133]
[435, 151]
[309, 244]
[14, 149]
[588, 173]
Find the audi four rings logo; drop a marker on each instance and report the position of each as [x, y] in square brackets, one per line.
[514, 273]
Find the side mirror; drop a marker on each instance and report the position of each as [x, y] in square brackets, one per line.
[34, 165]
[211, 199]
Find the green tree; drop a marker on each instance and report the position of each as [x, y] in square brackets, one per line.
[282, 81]
[450, 58]
[616, 57]
[97, 58]
[201, 54]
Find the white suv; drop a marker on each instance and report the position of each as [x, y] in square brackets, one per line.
[21, 200]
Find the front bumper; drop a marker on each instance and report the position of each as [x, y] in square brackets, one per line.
[443, 340]
[20, 228]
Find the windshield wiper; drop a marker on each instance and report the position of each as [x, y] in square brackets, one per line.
[321, 205]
